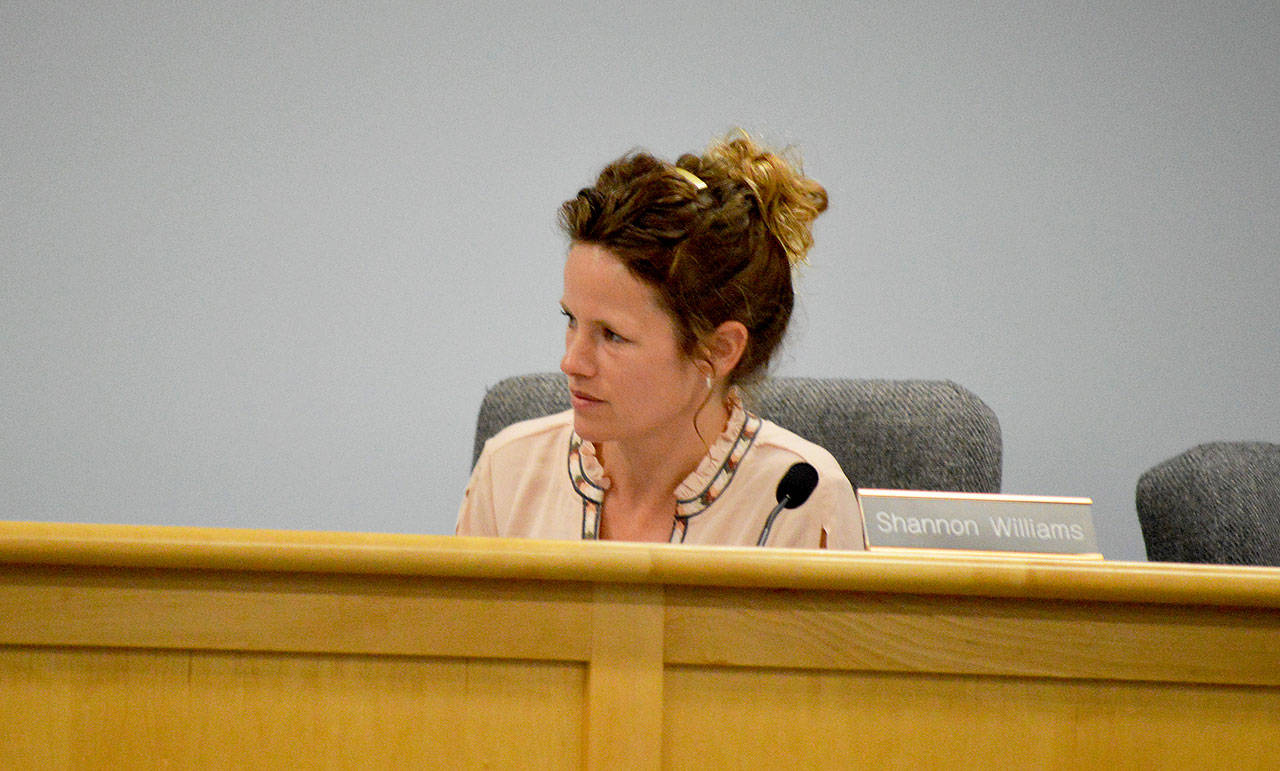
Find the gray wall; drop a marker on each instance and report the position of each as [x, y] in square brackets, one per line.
[259, 262]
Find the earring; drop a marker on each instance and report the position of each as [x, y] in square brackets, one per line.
[708, 382]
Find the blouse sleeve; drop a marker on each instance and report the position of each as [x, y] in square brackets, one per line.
[476, 515]
[844, 520]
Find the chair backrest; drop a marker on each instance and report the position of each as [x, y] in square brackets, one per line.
[1217, 503]
[893, 434]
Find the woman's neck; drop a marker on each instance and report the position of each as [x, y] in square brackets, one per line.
[644, 472]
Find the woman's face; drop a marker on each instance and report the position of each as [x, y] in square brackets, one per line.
[628, 378]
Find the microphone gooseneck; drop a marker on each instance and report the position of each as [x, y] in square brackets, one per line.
[794, 489]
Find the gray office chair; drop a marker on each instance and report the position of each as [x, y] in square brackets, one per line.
[895, 434]
[1217, 503]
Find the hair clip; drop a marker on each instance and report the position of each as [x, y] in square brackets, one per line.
[698, 184]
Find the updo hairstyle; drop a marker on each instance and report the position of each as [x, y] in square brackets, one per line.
[718, 251]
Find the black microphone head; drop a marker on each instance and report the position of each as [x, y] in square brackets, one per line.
[797, 484]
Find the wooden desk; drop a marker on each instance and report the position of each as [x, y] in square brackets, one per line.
[176, 647]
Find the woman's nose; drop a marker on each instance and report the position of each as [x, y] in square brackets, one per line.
[577, 358]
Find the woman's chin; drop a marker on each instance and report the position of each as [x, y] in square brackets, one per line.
[589, 428]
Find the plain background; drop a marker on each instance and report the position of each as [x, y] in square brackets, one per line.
[261, 260]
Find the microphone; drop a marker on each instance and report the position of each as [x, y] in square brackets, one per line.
[793, 490]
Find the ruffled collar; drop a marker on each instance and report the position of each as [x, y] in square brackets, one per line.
[701, 488]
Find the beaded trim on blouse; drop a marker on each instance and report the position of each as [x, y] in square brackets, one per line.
[694, 495]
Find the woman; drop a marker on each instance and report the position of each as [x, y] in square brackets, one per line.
[677, 291]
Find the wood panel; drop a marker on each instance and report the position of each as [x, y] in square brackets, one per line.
[624, 700]
[105, 708]
[303, 613]
[179, 647]
[750, 718]
[969, 635]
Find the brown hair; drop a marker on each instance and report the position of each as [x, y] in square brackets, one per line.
[714, 252]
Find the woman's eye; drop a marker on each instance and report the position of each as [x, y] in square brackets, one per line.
[613, 337]
[569, 319]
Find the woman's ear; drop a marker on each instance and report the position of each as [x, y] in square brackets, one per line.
[725, 346]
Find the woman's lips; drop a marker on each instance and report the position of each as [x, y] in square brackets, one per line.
[583, 400]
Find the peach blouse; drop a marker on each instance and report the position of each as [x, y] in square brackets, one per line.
[539, 479]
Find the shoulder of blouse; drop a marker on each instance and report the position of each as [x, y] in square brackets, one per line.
[775, 436]
[547, 427]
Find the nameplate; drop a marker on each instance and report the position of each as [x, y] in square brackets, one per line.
[1027, 524]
